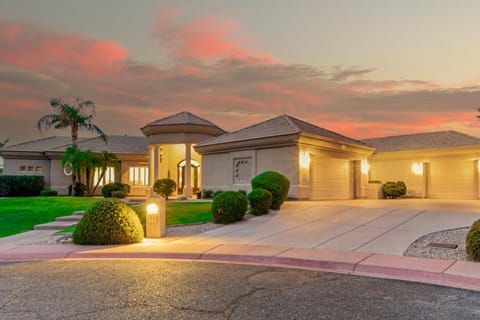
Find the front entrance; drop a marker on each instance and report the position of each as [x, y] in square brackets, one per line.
[195, 168]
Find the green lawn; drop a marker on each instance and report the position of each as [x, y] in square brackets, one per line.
[21, 214]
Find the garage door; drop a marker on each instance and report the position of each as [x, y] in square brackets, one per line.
[331, 179]
[451, 180]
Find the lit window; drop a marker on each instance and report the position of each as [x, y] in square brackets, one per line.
[23, 168]
[30, 168]
[38, 169]
[107, 178]
[138, 176]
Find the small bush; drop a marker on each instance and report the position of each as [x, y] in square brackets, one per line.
[119, 194]
[207, 194]
[216, 193]
[260, 201]
[48, 193]
[164, 187]
[228, 207]
[115, 186]
[20, 186]
[276, 183]
[109, 221]
[79, 190]
[473, 242]
[394, 190]
[244, 192]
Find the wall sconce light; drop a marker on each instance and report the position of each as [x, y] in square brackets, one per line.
[304, 158]
[417, 168]
[364, 166]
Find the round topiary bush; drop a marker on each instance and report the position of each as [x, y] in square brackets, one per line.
[109, 221]
[115, 186]
[473, 242]
[164, 187]
[394, 190]
[228, 207]
[276, 183]
[260, 201]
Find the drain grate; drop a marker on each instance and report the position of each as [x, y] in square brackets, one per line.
[443, 245]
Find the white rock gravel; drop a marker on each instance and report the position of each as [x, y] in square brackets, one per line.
[420, 247]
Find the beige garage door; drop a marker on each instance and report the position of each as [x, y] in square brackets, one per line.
[331, 179]
[451, 180]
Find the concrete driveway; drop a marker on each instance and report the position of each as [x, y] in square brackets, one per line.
[373, 226]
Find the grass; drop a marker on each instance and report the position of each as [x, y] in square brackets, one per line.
[177, 213]
[21, 214]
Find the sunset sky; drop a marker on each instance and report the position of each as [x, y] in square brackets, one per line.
[361, 68]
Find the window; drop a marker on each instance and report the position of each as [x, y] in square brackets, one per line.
[38, 169]
[108, 177]
[138, 176]
[23, 168]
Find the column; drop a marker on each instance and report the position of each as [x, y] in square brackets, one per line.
[476, 179]
[187, 190]
[151, 166]
[156, 168]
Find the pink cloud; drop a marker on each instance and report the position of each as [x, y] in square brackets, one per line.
[41, 49]
[206, 38]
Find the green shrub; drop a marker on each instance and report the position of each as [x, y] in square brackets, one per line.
[109, 221]
[48, 193]
[20, 186]
[393, 189]
[207, 194]
[244, 192]
[473, 242]
[260, 201]
[229, 206]
[216, 193]
[115, 186]
[276, 183]
[164, 187]
[141, 211]
[119, 194]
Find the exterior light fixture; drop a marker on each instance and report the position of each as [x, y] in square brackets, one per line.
[364, 166]
[304, 158]
[417, 168]
[156, 222]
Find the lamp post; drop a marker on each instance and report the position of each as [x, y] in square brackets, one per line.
[156, 218]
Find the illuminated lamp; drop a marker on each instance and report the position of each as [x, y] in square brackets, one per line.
[417, 168]
[304, 158]
[156, 219]
[364, 166]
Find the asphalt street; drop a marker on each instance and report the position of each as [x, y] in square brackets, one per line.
[168, 289]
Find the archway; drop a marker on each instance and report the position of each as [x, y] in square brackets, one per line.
[181, 175]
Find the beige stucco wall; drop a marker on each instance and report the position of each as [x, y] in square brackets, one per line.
[218, 170]
[59, 181]
[12, 167]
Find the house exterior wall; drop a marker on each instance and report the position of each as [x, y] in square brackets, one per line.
[234, 170]
[454, 179]
[59, 181]
[13, 167]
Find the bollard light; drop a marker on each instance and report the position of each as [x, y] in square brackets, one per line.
[156, 218]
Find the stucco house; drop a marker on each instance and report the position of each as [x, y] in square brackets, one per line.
[321, 164]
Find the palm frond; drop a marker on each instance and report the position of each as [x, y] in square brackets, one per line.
[47, 121]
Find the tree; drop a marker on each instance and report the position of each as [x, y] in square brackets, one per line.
[2, 144]
[76, 117]
[105, 159]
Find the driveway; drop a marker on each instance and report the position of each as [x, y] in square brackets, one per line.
[373, 226]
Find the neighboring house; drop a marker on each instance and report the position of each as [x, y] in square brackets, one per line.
[319, 163]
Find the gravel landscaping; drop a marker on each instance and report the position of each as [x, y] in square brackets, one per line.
[421, 248]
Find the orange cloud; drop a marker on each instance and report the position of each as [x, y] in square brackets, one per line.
[41, 49]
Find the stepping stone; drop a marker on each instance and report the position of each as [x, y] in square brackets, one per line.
[56, 225]
[73, 218]
[78, 213]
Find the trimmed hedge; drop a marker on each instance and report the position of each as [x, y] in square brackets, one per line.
[473, 242]
[276, 183]
[228, 207]
[109, 221]
[119, 194]
[394, 190]
[115, 186]
[48, 193]
[21, 186]
[164, 187]
[260, 201]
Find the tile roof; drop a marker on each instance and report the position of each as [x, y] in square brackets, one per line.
[116, 144]
[182, 118]
[278, 126]
[419, 141]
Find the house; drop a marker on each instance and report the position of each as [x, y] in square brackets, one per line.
[320, 164]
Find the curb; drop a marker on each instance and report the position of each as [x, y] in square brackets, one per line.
[450, 273]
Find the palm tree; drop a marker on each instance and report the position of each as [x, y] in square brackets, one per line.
[75, 117]
[2, 144]
[106, 159]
